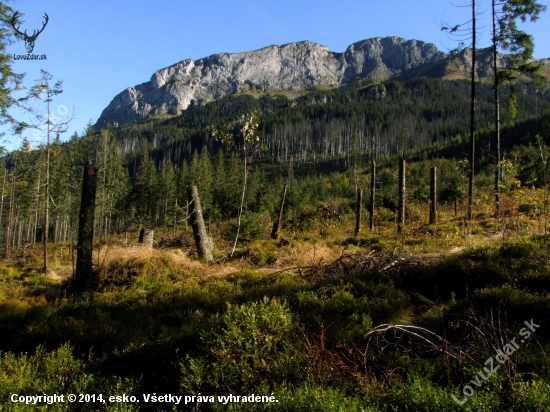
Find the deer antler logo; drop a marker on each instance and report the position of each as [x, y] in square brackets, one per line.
[29, 40]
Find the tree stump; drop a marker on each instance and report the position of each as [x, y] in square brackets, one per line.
[84, 270]
[203, 242]
[148, 237]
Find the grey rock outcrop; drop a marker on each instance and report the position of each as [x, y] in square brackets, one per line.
[293, 66]
[382, 58]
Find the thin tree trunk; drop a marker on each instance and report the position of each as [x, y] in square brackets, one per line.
[104, 188]
[472, 117]
[498, 169]
[372, 194]
[10, 218]
[277, 224]
[241, 207]
[3, 188]
[402, 194]
[65, 229]
[37, 206]
[56, 229]
[28, 236]
[84, 270]
[202, 241]
[358, 212]
[19, 234]
[433, 196]
[176, 217]
[47, 200]
[545, 202]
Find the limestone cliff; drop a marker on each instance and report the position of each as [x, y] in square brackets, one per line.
[294, 66]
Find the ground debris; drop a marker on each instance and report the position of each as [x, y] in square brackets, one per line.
[354, 263]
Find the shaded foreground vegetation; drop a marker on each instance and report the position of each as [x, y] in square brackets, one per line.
[299, 321]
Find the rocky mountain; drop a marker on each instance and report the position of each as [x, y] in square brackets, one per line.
[293, 66]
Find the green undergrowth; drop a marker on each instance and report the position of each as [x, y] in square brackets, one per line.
[310, 338]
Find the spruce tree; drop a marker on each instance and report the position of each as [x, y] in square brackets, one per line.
[9, 80]
[509, 39]
[44, 122]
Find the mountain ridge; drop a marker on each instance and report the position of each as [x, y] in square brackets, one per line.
[291, 66]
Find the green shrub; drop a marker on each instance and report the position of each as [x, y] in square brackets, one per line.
[531, 396]
[56, 372]
[248, 347]
[304, 398]
[518, 305]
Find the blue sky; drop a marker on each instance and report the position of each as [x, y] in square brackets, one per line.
[100, 47]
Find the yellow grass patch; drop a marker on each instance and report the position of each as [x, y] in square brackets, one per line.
[307, 255]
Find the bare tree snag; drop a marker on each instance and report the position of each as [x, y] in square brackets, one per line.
[358, 212]
[202, 240]
[83, 275]
[402, 194]
[433, 196]
[471, 176]
[277, 224]
[148, 236]
[372, 194]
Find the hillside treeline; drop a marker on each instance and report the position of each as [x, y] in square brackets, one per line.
[329, 125]
[320, 144]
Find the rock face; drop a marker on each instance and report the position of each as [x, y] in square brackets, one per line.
[383, 58]
[294, 66]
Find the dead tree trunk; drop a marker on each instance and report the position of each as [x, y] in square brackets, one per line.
[372, 194]
[7, 234]
[148, 236]
[277, 224]
[202, 240]
[471, 176]
[433, 196]
[358, 212]
[83, 275]
[47, 206]
[402, 194]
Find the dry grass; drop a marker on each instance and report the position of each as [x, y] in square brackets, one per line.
[307, 255]
[178, 259]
